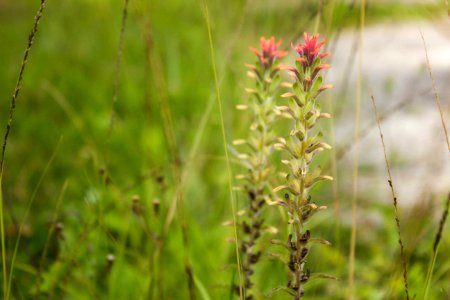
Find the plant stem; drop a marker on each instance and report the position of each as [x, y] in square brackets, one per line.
[230, 180]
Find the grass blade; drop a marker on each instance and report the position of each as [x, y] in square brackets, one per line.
[394, 197]
[351, 266]
[12, 107]
[178, 201]
[202, 289]
[49, 235]
[436, 95]
[2, 231]
[225, 146]
[118, 67]
[25, 216]
[437, 241]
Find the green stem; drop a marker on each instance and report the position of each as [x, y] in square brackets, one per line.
[224, 138]
[299, 205]
[430, 274]
[2, 232]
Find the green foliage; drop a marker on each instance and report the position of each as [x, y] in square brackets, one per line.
[104, 213]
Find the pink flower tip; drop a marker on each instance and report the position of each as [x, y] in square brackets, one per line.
[323, 66]
[269, 50]
[310, 48]
[325, 87]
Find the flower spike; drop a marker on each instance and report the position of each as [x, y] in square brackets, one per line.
[269, 51]
[300, 147]
[254, 154]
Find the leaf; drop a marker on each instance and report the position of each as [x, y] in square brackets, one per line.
[320, 241]
[281, 289]
[314, 91]
[323, 276]
[201, 288]
[279, 188]
[314, 177]
[280, 243]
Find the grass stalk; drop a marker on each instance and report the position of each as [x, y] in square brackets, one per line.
[437, 241]
[356, 155]
[25, 216]
[320, 7]
[178, 201]
[15, 95]
[448, 9]
[436, 95]
[333, 159]
[177, 206]
[207, 112]
[2, 231]
[12, 107]
[118, 67]
[49, 235]
[364, 132]
[394, 197]
[225, 146]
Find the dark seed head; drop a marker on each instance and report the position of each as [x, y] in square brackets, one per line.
[303, 253]
[156, 205]
[305, 237]
[254, 258]
[246, 227]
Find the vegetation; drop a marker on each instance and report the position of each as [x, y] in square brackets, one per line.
[114, 177]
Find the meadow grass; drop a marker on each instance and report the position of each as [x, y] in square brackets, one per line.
[395, 201]
[355, 166]
[144, 221]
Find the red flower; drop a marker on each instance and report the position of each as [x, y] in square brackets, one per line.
[310, 49]
[269, 51]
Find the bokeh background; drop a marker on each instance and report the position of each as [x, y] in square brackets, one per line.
[104, 223]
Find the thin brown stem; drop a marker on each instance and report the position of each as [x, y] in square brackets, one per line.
[118, 68]
[12, 107]
[436, 95]
[442, 221]
[15, 95]
[436, 244]
[394, 197]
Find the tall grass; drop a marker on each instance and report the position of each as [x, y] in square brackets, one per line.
[25, 216]
[31, 36]
[118, 67]
[225, 146]
[53, 228]
[351, 263]
[436, 94]
[177, 205]
[443, 219]
[156, 244]
[436, 244]
[395, 201]
[2, 231]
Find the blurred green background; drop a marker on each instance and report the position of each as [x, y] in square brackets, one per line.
[86, 238]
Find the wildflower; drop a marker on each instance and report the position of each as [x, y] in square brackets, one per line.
[257, 147]
[309, 51]
[301, 146]
[269, 51]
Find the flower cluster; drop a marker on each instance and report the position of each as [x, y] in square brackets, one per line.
[301, 146]
[259, 146]
[269, 53]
